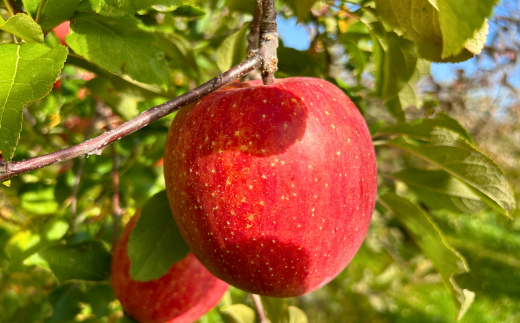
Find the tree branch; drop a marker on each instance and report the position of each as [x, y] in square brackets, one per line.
[96, 145]
[253, 40]
[268, 42]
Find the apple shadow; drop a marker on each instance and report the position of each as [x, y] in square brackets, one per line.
[237, 124]
[265, 266]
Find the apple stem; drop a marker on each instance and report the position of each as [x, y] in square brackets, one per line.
[259, 308]
[96, 145]
[268, 42]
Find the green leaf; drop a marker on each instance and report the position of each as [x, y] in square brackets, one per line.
[396, 66]
[124, 102]
[423, 128]
[292, 62]
[400, 64]
[188, 11]
[395, 57]
[99, 298]
[245, 6]
[38, 199]
[438, 190]
[395, 108]
[121, 83]
[442, 34]
[36, 259]
[31, 6]
[179, 49]
[39, 234]
[5, 235]
[408, 95]
[155, 243]
[296, 315]
[452, 153]
[357, 56]
[276, 309]
[238, 313]
[232, 51]
[28, 73]
[65, 300]
[24, 27]
[303, 7]
[87, 260]
[120, 46]
[459, 22]
[57, 11]
[127, 319]
[429, 238]
[118, 8]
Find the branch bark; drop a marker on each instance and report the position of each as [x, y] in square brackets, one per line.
[96, 145]
[253, 41]
[268, 42]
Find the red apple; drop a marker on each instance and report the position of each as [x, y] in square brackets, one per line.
[62, 30]
[182, 295]
[272, 187]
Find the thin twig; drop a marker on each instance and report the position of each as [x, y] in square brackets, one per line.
[96, 145]
[117, 212]
[115, 198]
[8, 7]
[259, 308]
[268, 42]
[77, 178]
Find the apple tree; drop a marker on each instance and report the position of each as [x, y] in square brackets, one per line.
[148, 146]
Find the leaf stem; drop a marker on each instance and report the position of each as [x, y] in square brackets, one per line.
[379, 142]
[8, 7]
[96, 145]
[268, 42]
[259, 308]
[40, 11]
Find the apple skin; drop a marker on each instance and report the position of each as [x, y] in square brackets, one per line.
[182, 295]
[62, 30]
[272, 187]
